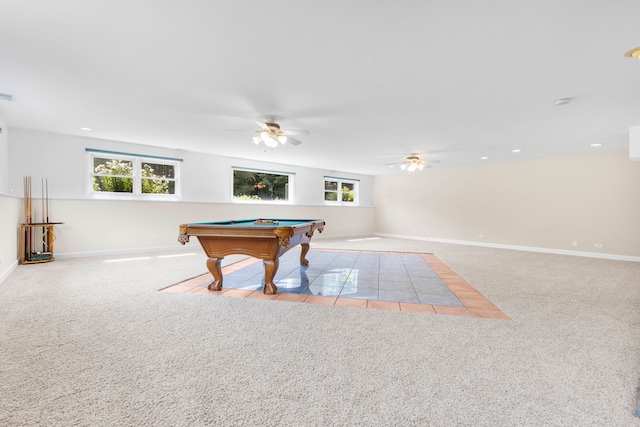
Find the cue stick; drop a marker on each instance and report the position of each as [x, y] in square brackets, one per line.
[30, 242]
[44, 228]
[42, 197]
[32, 234]
[32, 238]
[48, 202]
[25, 237]
[24, 199]
[46, 181]
[29, 200]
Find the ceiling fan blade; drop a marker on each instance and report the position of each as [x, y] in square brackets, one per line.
[293, 141]
[296, 132]
[263, 126]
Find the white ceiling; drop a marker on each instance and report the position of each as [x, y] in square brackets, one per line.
[372, 81]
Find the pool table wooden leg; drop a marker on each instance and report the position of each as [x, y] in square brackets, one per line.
[304, 248]
[213, 264]
[270, 268]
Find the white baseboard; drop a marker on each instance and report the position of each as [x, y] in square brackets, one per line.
[517, 248]
[8, 271]
[319, 236]
[193, 245]
[188, 247]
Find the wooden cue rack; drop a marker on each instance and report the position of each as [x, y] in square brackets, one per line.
[36, 237]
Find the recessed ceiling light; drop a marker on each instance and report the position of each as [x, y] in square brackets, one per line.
[483, 158]
[517, 150]
[633, 53]
[596, 144]
[87, 129]
[563, 101]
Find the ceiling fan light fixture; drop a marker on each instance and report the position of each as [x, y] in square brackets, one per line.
[272, 136]
[633, 53]
[413, 163]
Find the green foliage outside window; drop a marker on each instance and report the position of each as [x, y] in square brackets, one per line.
[338, 190]
[154, 179]
[348, 194]
[116, 176]
[331, 191]
[111, 175]
[252, 185]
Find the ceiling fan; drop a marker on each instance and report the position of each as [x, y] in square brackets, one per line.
[272, 135]
[413, 162]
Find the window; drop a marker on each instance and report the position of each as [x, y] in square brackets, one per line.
[340, 191]
[251, 185]
[123, 175]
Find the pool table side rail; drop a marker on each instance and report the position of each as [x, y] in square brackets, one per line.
[283, 233]
[278, 222]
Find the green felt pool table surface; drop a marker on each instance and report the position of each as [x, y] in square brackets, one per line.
[258, 222]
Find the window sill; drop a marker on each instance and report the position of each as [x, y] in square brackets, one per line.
[124, 196]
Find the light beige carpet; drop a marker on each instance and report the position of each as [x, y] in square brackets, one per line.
[91, 342]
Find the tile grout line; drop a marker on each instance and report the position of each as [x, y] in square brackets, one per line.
[433, 264]
[409, 275]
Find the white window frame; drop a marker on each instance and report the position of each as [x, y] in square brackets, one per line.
[340, 181]
[137, 162]
[290, 184]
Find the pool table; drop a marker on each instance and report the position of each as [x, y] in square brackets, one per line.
[266, 239]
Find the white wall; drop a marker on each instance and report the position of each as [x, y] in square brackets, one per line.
[94, 226]
[549, 204]
[10, 212]
[10, 217]
[4, 158]
[546, 204]
[102, 226]
[205, 178]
